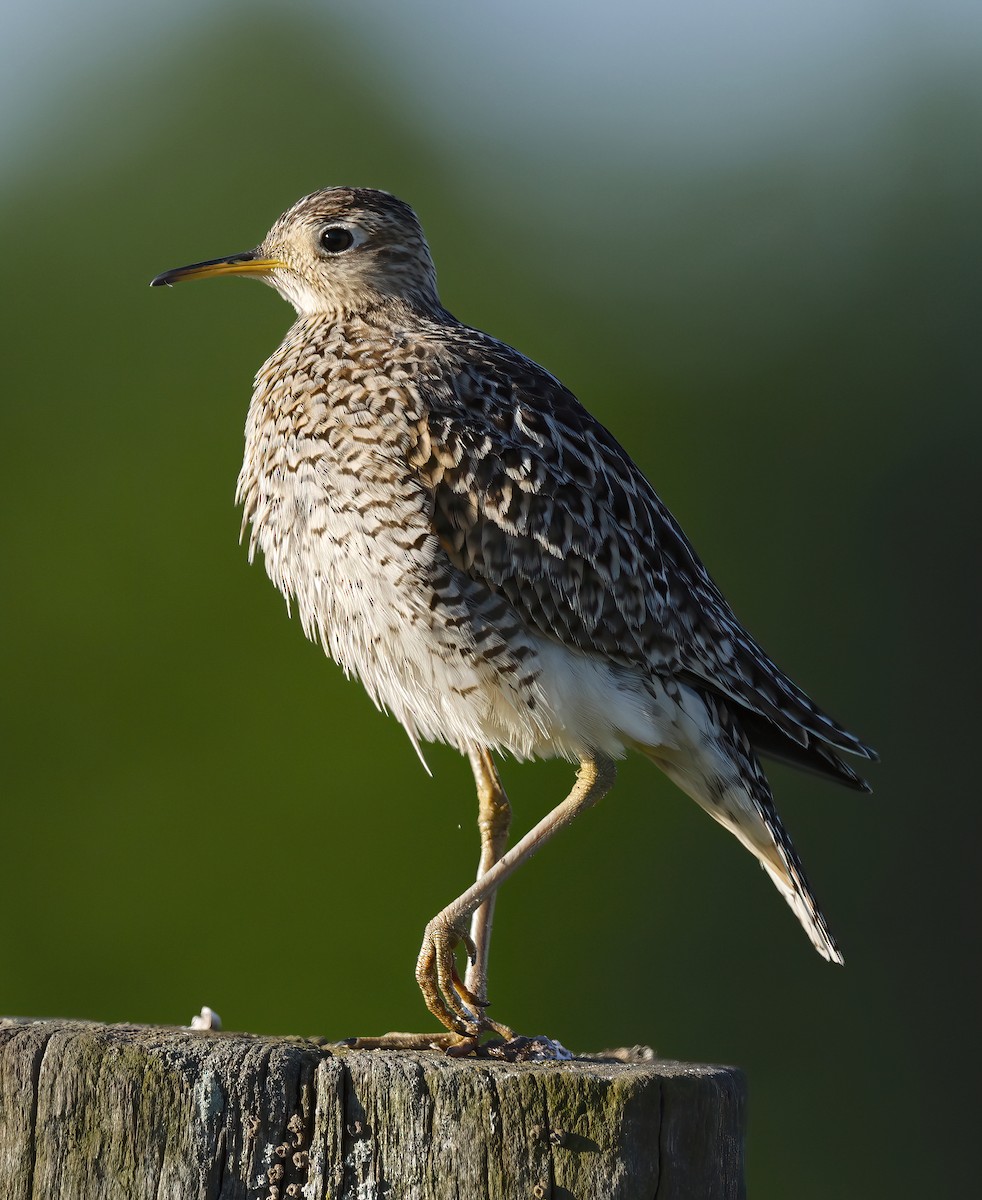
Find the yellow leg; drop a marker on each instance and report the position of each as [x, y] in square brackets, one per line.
[446, 995]
[493, 822]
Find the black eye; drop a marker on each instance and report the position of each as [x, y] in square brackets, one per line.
[335, 239]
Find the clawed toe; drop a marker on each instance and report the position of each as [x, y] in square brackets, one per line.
[447, 996]
[507, 1046]
[451, 1043]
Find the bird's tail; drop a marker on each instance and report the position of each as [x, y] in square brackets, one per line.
[720, 771]
[789, 879]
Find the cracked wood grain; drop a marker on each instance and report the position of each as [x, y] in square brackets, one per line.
[123, 1112]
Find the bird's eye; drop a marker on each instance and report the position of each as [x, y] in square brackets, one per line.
[335, 239]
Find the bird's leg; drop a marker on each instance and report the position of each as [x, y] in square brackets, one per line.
[436, 971]
[493, 822]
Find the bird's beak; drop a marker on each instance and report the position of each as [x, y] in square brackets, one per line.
[251, 262]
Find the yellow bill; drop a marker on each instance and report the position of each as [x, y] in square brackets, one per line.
[250, 262]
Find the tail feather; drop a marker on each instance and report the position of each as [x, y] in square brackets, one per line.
[716, 765]
[790, 881]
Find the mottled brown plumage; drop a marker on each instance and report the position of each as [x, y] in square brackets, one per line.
[459, 533]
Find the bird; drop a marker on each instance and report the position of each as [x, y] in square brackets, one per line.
[459, 533]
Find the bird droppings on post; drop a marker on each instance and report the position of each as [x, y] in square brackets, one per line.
[206, 1019]
[460, 534]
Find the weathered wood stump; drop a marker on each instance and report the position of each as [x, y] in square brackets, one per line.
[121, 1111]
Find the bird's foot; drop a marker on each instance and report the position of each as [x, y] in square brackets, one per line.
[453, 1044]
[512, 1049]
[456, 1007]
[446, 995]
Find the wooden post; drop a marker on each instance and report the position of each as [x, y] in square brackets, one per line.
[122, 1112]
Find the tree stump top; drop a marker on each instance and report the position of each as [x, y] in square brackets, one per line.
[147, 1113]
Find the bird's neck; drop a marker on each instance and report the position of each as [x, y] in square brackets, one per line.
[377, 309]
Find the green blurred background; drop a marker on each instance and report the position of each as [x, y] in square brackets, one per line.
[750, 241]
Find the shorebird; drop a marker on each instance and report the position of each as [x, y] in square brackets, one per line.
[458, 532]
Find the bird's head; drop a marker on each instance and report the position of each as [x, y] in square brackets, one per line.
[337, 251]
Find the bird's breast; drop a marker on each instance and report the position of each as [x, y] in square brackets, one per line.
[328, 496]
[333, 500]
[345, 530]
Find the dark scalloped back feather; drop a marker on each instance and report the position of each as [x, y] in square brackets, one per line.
[536, 499]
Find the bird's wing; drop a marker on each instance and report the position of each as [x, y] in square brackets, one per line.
[534, 498]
